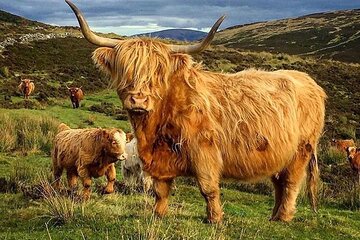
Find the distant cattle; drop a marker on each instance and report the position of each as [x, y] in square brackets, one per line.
[342, 145]
[87, 153]
[26, 87]
[131, 168]
[353, 155]
[192, 122]
[76, 95]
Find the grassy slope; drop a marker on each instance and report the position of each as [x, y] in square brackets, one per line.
[130, 216]
[332, 35]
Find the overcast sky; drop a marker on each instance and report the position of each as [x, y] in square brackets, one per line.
[128, 17]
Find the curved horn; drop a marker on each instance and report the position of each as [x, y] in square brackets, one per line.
[88, 34]
[67, 86]
[195, 48]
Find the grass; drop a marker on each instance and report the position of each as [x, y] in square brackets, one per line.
[27, 213]
[130, 217]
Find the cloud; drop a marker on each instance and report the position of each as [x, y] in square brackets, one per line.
[127, 17]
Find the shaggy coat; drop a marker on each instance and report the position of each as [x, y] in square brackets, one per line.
[191, 122]
[26, 87]
[131, 169]
[87, 153]
[76, 95]
[342, 145]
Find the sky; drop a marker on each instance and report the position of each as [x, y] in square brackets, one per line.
[129, 17]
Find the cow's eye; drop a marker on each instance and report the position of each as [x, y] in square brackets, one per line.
[113, 142]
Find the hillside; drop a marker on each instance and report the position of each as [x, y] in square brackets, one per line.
[54, 62]
[333, 35]
[14, 29]
[177, 34]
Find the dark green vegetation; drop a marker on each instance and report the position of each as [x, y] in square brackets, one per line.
[334, 35]
[29, 210]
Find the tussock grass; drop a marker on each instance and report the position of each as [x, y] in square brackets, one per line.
[26, 133]
[58, 208]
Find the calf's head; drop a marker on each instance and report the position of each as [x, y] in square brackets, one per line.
[113, 142]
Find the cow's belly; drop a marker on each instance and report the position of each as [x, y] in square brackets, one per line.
[97, 171]
[257, 165]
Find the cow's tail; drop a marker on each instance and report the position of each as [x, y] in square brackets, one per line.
[63, 127]
[313, 181]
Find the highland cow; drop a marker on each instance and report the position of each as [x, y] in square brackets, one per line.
[85, 154]
[26, 87]
[353, 155]
[192, 122]
[76, 95]
[342, 145]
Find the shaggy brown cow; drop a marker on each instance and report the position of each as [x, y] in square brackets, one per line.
[192, 122]
[26, 87]
[353, 155]
[87, 153]
[342, 145]
[76, 95]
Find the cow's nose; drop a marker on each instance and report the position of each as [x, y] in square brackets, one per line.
[138, 99]
[123, 156]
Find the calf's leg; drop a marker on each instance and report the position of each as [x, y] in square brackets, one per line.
[111, 177]
[72, 178]
[86, 182]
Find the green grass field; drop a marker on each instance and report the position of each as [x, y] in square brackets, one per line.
[129, 216]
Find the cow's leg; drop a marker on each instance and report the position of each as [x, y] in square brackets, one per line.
[207, 165]
[277, 181]
[210, 190]
[291, 180]
[162, 190]
[111, 177]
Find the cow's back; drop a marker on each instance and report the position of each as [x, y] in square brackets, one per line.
[268, 115]
[70, 143]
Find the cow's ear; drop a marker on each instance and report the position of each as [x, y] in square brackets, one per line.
[103, 58]
[129, 136]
